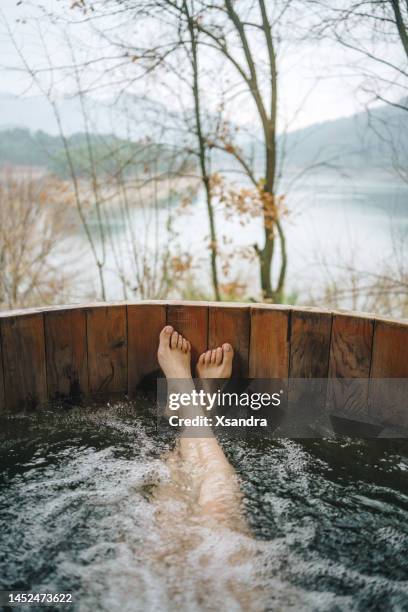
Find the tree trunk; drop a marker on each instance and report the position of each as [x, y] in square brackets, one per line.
[265, 262]
[271, 223]
[202, 152]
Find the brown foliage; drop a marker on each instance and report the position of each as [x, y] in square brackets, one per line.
[32, 226]
[248, 202]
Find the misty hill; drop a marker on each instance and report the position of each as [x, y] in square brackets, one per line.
[110, 155]
[373, 139]
[127, 116]
[366, 139]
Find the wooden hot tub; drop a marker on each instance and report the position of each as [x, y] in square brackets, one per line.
[108, 350]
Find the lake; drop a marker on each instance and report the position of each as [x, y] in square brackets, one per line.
[359, 220]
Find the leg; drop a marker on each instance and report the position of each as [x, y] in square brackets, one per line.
[200, 499]
[220, 495]
[212, 475]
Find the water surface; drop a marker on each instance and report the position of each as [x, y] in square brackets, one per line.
[329, 519]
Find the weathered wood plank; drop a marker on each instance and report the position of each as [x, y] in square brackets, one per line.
[45, 349]
[309, 344]
[388, 401]
[269, 357]
[107, 349]
[192, 322]
[269, 346]
[66, 354]
[309, 359]
[350, 358]
[233, 325]
[23, 344]
[145, 322]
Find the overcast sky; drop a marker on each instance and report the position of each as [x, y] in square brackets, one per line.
[309, 74]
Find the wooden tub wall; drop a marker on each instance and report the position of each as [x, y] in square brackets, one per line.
[107, 350]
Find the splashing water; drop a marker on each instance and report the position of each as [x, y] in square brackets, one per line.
[328, 519]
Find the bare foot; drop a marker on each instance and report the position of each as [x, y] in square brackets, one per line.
[174, 354]
[216, 363]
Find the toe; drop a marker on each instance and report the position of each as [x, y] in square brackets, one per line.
[188, 347]
[213, 356]
[184, 346]
[228, 352]
[180, 342]
[201, 359]
[218, 355]
[208, 358]
[165, 334]
[174, 340]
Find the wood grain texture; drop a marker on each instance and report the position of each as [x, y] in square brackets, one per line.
[309, 344]
[145, 322]
[233, 325]
[269, 346]
[309, 359]
[192, 322]
[389, 401]
[23, 347]
[66, 354]
[44, 352]
[350, 358]
[107, 350]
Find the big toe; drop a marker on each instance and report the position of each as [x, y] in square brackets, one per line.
[165, 335]
[228, 353]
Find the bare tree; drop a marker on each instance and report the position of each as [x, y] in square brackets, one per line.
[49, 94]
[230, 31]
[33, 226]
[376, 32]
[111, 178]
[246, 37]
[203, 148]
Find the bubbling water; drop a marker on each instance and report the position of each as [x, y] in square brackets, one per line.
[328, 519]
